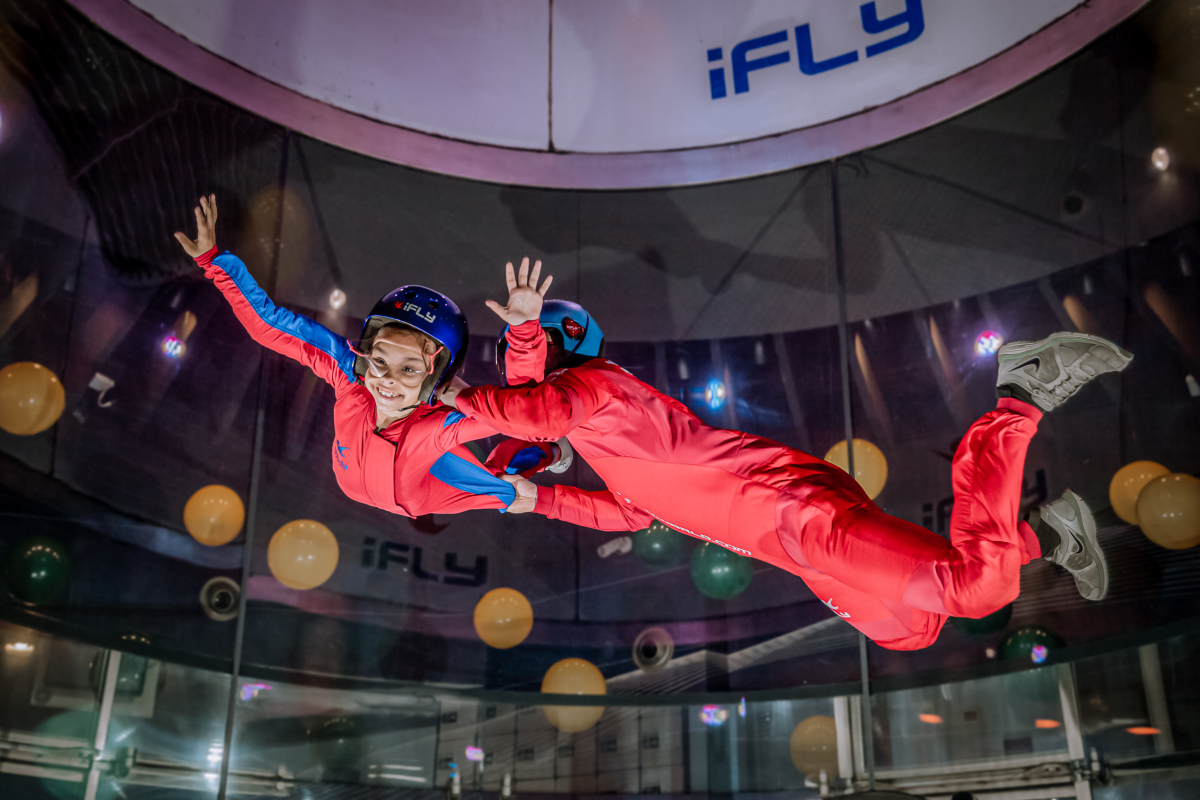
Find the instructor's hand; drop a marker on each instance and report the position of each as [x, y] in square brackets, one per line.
[526, 494]
[449, 394]
[524, 295]
[206, 228]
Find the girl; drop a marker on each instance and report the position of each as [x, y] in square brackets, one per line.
[395, 447]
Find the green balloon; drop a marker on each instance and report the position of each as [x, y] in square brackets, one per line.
[658, 546]
[986, 626]
[719, 573]
[1032, 644]
[337, 742]
[37, 570]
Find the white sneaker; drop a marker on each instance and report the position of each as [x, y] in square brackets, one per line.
[566, 456]
[1047, 373]
[1079, 550]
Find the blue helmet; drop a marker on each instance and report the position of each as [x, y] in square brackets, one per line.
[569, 326]
[433, 314]
[578, 333]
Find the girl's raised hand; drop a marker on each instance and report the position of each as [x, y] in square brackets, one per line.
[524, 294]
[206, 228]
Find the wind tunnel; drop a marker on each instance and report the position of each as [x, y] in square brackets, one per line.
[816, 223]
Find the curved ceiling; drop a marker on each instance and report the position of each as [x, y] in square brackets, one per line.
[631, 94]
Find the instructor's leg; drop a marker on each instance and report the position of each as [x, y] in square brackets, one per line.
[838, 532]
[989, 544]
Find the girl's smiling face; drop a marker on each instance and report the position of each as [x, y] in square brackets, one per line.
[397, 366]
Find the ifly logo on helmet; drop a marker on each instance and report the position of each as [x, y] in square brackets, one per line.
[428, 316]
[906, 26]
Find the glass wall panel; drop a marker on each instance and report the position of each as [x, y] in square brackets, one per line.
[1043, 210]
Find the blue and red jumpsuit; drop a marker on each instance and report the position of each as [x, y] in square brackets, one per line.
[413, 467]
[895, 581]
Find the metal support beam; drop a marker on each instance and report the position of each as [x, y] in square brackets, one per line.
[1073, 731]
[839, 260]
[112, 670]
[1156, 698]
[845, 737]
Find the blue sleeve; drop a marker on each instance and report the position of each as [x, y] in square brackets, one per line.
[293, 335]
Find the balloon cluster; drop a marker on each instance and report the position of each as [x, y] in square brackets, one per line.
[303, 554]
[503, 619]
[1164, 504]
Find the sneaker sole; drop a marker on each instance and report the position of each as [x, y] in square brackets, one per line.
[1091, 543]
[1016, 350]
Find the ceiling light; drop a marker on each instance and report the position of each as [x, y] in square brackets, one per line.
[932, 719]
[337, 299]
[714, 394]
[18, 647]
[987, 343]
[1161, 159]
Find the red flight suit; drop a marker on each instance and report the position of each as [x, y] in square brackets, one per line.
[893, 580]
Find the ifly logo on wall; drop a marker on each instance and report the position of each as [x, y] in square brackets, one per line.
[908, 25]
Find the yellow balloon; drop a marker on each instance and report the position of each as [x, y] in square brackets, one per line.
[503, 618]
[573, 676]
[1169, 511]
[302, 554]
[813, 746]
[214, 515]
[31, 398]
[1128, 482]
[870, 466]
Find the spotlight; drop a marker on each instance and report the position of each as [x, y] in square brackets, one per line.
[173, 347]
[251, 690]
[174, 344]
[713, 716]
[1161, 159]
[987, 343]
[337, 299]
[714, 394]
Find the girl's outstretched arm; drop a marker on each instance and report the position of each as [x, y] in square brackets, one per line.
[326, 353]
